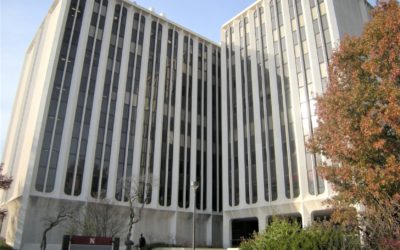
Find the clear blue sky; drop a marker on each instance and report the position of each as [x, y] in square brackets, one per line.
[19, 20]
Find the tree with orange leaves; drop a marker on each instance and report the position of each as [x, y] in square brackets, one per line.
[359, 125]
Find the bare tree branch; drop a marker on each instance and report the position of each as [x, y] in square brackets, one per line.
[51, 222]
[138, 194]
[97, 219]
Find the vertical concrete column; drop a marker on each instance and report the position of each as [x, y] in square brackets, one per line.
[209, 230]
[112, 176]
[262, 222]
[280, 177]
[226, 235]
[306, 216]
[97, 99]
[256, 105]
[177, 129]
[193, 145]
[173, 228]
[209, 148]
[224, 122]
[312, 48]
[239, 110]
[332, 21]
[141, 98]
[294, 90]
[159, 117]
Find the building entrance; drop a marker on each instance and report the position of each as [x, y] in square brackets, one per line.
[243, 229]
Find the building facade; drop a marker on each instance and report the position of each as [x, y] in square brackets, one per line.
[112, 94]
[111, 91]
[275, 57]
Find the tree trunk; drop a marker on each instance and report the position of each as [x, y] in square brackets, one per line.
[44, 242]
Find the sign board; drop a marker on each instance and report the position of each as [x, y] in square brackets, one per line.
[91, 243]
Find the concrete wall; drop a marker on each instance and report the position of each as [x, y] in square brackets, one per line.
[157, 226]
[350, 16]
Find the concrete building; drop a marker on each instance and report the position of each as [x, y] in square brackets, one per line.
[111, 91]
[275, 57]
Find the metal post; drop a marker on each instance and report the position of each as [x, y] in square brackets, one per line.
[194, 185]
[194, 222]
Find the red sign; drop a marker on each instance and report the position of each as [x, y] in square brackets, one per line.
[88, 240]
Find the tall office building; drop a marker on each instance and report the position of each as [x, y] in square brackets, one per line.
[275, 57]
[111, 91]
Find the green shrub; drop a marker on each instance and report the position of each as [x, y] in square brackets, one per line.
[4, 246]
[282, 234]
[328, 236]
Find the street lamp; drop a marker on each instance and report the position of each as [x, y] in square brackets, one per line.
[194, 185]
